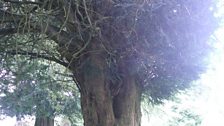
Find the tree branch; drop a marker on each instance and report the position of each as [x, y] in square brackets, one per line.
[55, 33]
[7, 31]
[37, 55]
[22, 2]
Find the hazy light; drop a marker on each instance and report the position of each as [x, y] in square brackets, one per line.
[210, 104]
[214, 79]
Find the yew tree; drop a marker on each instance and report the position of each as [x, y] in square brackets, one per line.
[118, 51]
[37, 88]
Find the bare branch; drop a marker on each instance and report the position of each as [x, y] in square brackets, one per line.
[22, 2]
[37, 55]
[7, 31]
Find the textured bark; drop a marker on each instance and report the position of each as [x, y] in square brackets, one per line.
[96, 101]
[99, 107]
[44, 121]
[127, 103]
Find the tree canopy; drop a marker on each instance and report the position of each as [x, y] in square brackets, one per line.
[117, 50]
[28, 91]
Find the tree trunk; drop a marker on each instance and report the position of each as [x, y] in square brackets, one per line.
[126, 104]
[44, 121]
[99, 107]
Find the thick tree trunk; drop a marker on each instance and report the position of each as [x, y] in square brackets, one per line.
[96, 101]
[99, 107]
[44, 121]
[126, 104]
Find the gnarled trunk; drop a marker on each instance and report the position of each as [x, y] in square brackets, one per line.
[44, 121]
[126, 104]
[99, 106]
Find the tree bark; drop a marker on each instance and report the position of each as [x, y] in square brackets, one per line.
[44, 121]
[96, 101]
[99, 106]
[127, 103]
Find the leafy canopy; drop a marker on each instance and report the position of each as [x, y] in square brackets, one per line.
[26, 89]
[162, 43]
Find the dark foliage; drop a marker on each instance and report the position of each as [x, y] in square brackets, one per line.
[26, 89]
[162, 43]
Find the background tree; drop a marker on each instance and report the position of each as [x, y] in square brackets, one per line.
[184, 109]
[184, 112]
[28, 91]
[118, 51]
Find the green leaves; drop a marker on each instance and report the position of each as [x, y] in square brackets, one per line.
[36, 89]
[163, 44]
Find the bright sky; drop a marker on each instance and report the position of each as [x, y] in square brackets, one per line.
[8, 122]
[209, 104]
[214, 79]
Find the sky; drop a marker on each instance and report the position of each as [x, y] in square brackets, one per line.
[214, 80]
[208, 103]
[8, 122]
